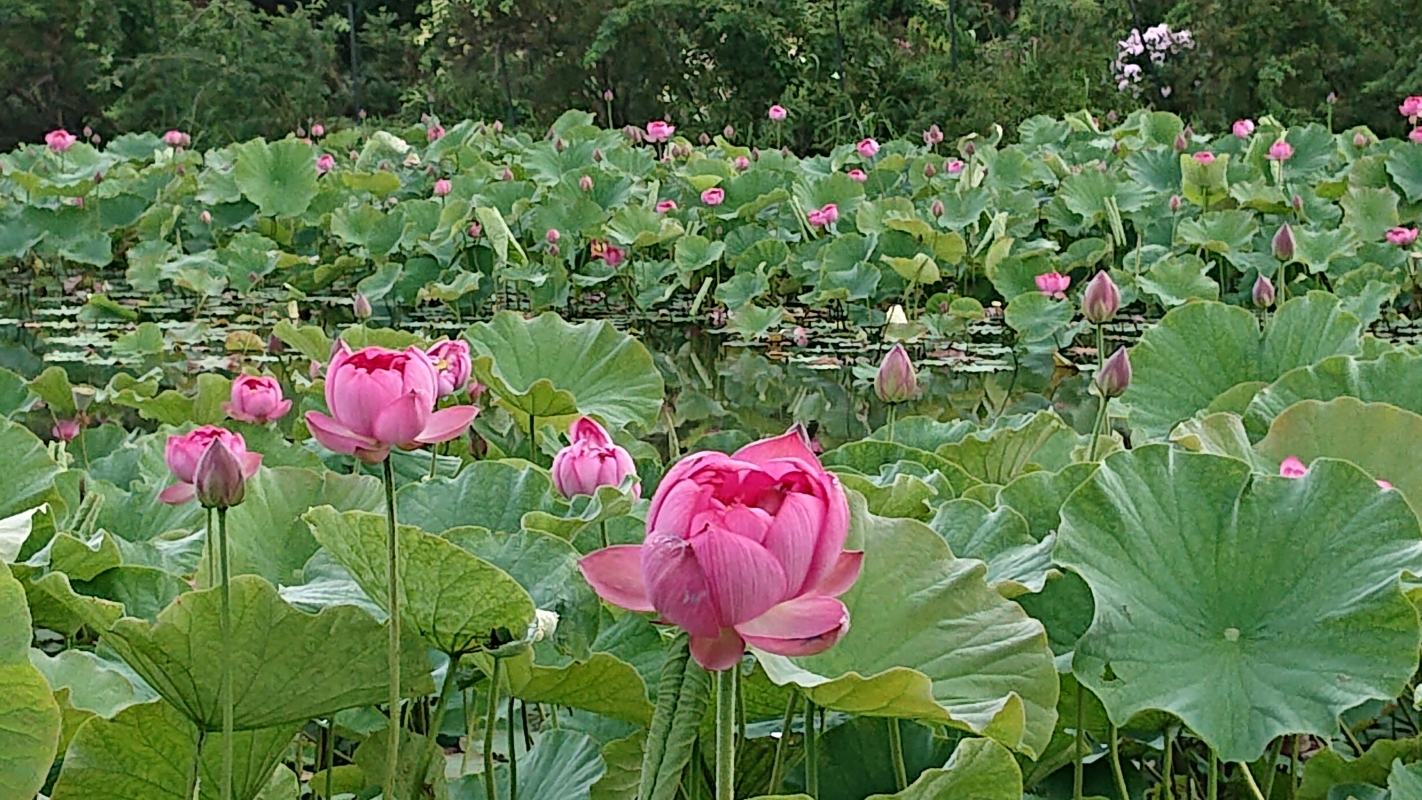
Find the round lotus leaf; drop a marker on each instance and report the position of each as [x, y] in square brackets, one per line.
[1394, 378]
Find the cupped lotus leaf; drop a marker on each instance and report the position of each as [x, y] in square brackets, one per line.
[289, 666]
[1211, 604]
[583, 512]
[554, 370]
[563, 765]
[929, 640]
[1394, 378]
[1016, 562]
[1201, 350]
[454, 599]
[489, 494]
[869, 457]
[1038, 496]
[1003, 452]
[979, 768]
[1367, 434]
[86, 686]
[604, 684]
[279, 177]
[1328, 768]
[30, 472]
[151, 751]
[1220, 434]
[30, 723]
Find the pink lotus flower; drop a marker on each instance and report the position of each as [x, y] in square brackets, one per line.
[256, 399]
[318, 130]
[713, 196]
[1280, 151]
[205, 217]
[1415, 135]
[868, 148]
[740, 549]
[1292, 467]
[443, 187]
[585, 183]
[1243, 128]
[552, 236]
[177, 139]
[591, 460]
[610, 254]
[778, 113]
[800, 336]
[474, 230]
[1205, 157]
[185, 453]
[66, 430]
[858, 175]
[60, 140]
[953, 167]
[381, 399]
[826, 215]
[1402, 237]
[742, 163]
[933, 135]
[666, 205]
[325, 163]
[1053, 284]
[659, 131]
[1411, 108]
[453, 363]
[434, 133]
[897, 380]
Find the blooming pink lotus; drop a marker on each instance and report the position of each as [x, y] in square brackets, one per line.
[740, 549]
[177, 139]
[610, 254]
[1280, 151]
[953, 167]
[858, 175]
[434, 133]
[325, 163]
[1411, 108]
[1205, 157]
[318, 130]
[256, 399]
[454, 364]
[591, 460]
[1243, 128]
[825, 215]
[184, 454]
[381, 399]
[933, 135]
[664, 206]
[868, 148]
[778, 113]
[60, 140]
[1402, 237]
[659, 131]
[742, 163]
[443, 187]
[1415, 135]
[713, 196]
[66, 430]
[1053, 284]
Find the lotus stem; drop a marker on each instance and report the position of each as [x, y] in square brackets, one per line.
[330, 755]
[1249, 779]
[1116, 763]
[777, 769]
[896, 753]
[1212, 792]
[812, 751]
[491, 789]
[893, 417]
[1273, 766]
[1167, 791]
[1099, 428]
[1078, 752]
[447, 688]
[726, 734]
[225, 568]
[392, 760]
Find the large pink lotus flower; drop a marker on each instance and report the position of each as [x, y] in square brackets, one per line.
[453, 363]
[1243, 128]
[1411, 108]
[1280, 151]
[591, 460]
[185, 453]
[325, 163]
[60, 140]
[778, 113]
[381, 399]
[256, 399]
[1402, 237]
[740, 549]
[713, 196]
[659, 131]
[1053, 284]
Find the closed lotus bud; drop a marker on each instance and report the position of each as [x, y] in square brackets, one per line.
[498, 126]
[475, 229]
[552, 249]
[1174, 203]
[1360, 140]
[206, 217]
[560, 145]
[552, 236]
[1101, 300]
[929, 171]
[896, 381]
[508, 174]
[98, 177]
[607, 95]
[585, 183]
[937, 208]
[1297, 203]
[742, 163]
[969, 149]
[219, 480]
[1180, 143]
[1284, 243]
[1263, 292]
[728, 132]
[704, 138]
[597, 154]
[1114, 377]
[361, 305]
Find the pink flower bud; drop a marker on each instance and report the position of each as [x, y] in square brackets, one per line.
[318, 130]
[1411, 108]
[219, 482]
[434, 133]
[868, 148]
[1415, 135]
[1280, 151]
[936, 209]
[590, 461]
[800, 336]
[211, 464]
[1293, 468]
[361, 306]
[508, 174]
[443, 187]
[1263, 293]
[607, 95]
[659, 131]
[704, 138]
[728, 132]
[325, 163]
[858, 175]
[1180, 143]
[474, 230]
[1114, 377]
[1243, 128]
[664, 206]
[560, 145]
[896, 381]
[1360, 140]
[1205, 157]
[713, 196]
[1174, 203]
[1053, 284]
[777, 113]
[1283, 243]
[933, 135]
[953, 166]
[176, 139]
[66, 430]
[742, 163]
[929, 171]
[553, 250]
[1101, 299]
[498, 126]
[552, 236]
[1402, 237]
[597, 154]
[1297, 202]
[585, 183]
[256, 399]
[206, 217]
[969, 149]
[60, 140]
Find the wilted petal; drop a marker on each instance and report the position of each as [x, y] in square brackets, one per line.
[178, 493]
[744, 578]
[718, 653]
[842, 575]
[800, 627]
[676, 585]
[447, 424]
[334, 436]
[403, 420]
[615, 573]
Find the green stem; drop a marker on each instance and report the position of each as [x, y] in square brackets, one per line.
[1212, 792]
[330, 755]
[193, 768]
[1273, 766]
[726, 734]
[1116, 763]
[896, 753]
[1253, 784]
[893, 417]
[446, 690]
[1079, 752]
[777, 769]
[604, 533]
[533, 439]
[513, 753]
[491, 790]
[1294, 765]
[225, 568]
[1167, 789]
[434, 460]
[392, 600]
[1098, 428]
[212, 560]
[812, 752]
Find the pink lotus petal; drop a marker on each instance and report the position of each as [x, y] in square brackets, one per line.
[793, 535]
[842, 575]
[720, 652]
[334, 436]
[403, 420]
[790, 444]
[743, 577]
[448, 423]
[803, 626]
[676, 585]
[1384, 485]
[178, 493]
[251, 462]
[1292, 468]
[615, 573]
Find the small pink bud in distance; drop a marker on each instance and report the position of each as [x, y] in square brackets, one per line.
[361, 306]
[1283, 243]
[778, 113]
[443, 187]
[1263, 293]
[585, 183]
[1292, 467]
[937, 208]
[896, 381]
[552, 236]
[1360, 140]
[206, 217]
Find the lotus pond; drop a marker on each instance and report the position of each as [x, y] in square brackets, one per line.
[638, 465]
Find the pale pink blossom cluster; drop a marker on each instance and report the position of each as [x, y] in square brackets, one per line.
[1155, 44]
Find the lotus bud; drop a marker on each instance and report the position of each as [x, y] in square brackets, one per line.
[1263, 292]
[275, 346]
[498, 126]
[896, 380]
[969, 149]
[560, 145]
[508, 174]
[607, 95]
[552, 249]
[704, 138]
[206, 217]
[585, 183]
[83, 397]
[98, 177]
[552, 236]
[88, 131]
[936, 209]
[755, 154]
[218, 480]
[1101, 300]
[1284, 243]
[475, 229]
[318, 130]
[66, 430]
[1174, 203]
[1114, 377]
[597, 155]
[742, 163]
[1297, 202]
[361, 306]
[728, 132]
[1180, 143]
[929, 171]
[300, 132]
[1360, 140]
[443, 187]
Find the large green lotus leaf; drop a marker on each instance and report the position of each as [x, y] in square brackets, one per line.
[1366, 434]
[554, 369]
[490, 494]
[30, 723]
[85, 686]
[980, 769]
[1016, 562]
[583, 512]
[624, 769]
[1220, 434]
[137, 515]
[929, 640]
[279, 177]
[1212, 602]
[456, 600]
[289, 666]
[142, 591]
[1405, 781]
[604, 684]
[1201, 350]
[1394, 378]
[999, 454]
[1038, 496]
[147, 752]
[900, 490]
[563, 765]
[870, 456]
[30, 472]
[266, 534]
[1328, 768]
